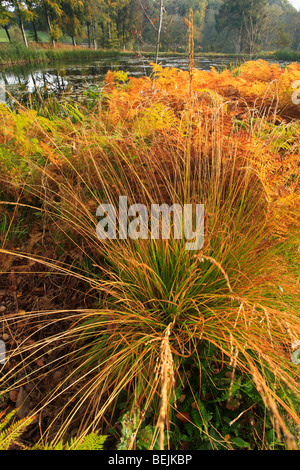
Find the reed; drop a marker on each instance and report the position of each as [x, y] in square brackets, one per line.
[18, 53]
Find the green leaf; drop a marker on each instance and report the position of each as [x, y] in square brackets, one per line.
[240, 442]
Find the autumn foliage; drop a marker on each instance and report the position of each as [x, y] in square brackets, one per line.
[230, 140]
[256, 120]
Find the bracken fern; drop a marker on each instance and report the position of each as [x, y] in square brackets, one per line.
[160, 305]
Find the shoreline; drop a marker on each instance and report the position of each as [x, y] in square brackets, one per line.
[48, 56]
[107, 54]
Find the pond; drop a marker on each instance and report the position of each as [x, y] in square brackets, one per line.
[23, 83]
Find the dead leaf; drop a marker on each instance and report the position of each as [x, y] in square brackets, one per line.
[13, 395]
[232, 404]
[184, 416]
[22, 403]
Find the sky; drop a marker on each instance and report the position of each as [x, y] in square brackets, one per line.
[295, 3]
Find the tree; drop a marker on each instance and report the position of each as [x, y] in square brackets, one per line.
[243, 19]
[6, 17]
[89, 13]
[155, 19]
[161, 11]
[55, 33]
[29, 6]
[51, 12]
[72, 18]
[117, 11]
[211, 40]
[254, 22]
[23, 14]
[92, 13]
[174, 25]
[282, 25]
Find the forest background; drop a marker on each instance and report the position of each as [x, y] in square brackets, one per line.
[220, 26]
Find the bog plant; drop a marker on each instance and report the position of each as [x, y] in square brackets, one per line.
[12, 431]
[200, 343]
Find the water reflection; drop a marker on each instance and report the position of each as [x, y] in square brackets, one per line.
[41, 82]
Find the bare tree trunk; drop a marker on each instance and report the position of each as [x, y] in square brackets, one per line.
[103, 35]
[88, 24]
[21, 24]
[161, 10]
[49, 26]
[254, 31]
[118, 34]
[29, 6]
[94, 37]
[7, 33]
[123, 34]
[48, 22]
[238, 42]
[23, 31]
[35, 32]
[109, 31]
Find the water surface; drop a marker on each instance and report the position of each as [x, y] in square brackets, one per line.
[75, 78]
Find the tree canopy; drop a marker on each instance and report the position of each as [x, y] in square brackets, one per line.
[240, 26]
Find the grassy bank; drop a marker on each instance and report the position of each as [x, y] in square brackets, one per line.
[140, 338]
[17, 53]
[14, 54]
[287, 55]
